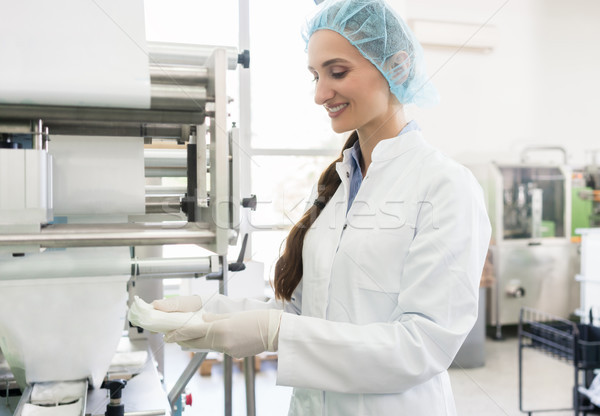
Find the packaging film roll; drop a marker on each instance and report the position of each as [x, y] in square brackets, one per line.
[71, 262]
[96, 175]
[77, 320]
[76, 53]
[73, 302]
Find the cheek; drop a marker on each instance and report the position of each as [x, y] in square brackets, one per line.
[376, 91]
[377, 100]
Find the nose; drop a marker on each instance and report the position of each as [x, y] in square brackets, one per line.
[323, 92]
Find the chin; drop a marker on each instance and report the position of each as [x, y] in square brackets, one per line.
[341, 128]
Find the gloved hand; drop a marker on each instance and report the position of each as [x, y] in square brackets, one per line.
[179, 304]
[239, 335]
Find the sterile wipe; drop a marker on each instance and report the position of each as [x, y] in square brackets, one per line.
[57, 393]
[593, 392]
[132, 359]
[145, 316]
[73, 409]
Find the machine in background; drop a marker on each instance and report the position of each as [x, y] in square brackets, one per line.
[591, 192]
[588, 228]
[533, 258]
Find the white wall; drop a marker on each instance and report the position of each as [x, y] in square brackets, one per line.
[539, 86]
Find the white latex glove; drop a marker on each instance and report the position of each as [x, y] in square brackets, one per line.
[241, 334]
[145, 316]
[179, 304]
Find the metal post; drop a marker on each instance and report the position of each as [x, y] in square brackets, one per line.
[227, 361]
[497, 307]
[245, 126]
[46, 139]
[185, 377]
[249, 373]
[37, 135]
[243, 141]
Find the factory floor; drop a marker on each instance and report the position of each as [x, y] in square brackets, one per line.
[491, 390]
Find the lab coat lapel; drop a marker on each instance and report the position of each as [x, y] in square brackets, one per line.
[320, 245]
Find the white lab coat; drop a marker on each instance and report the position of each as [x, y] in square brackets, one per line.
[389, 291]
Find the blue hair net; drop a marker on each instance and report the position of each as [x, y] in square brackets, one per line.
[383, 38]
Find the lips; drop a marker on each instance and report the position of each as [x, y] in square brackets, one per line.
[336, 110]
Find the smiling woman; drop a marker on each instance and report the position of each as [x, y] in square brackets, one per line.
[378, 284]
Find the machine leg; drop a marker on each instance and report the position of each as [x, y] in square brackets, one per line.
[228, 379]
[249, 373]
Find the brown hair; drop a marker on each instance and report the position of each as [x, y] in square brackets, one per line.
[288, 269]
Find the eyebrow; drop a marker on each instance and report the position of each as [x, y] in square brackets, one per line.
[331, 62]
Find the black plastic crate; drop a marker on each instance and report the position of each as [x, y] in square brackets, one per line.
[588, 346]
[554, 338]
[563, 339]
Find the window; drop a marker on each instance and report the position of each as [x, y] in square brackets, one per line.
[290, 140]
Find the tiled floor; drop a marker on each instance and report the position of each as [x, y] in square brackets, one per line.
[491, 390]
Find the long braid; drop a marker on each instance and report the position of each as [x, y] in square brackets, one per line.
[288, 270]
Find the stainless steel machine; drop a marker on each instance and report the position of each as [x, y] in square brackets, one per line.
[533, 258]
[78, 223]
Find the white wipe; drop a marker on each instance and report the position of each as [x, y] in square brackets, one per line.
[74, 409]
[57, 393]
[132, 359]
[145, 316]
[593, 393]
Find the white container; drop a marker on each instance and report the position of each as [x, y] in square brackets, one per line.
[62, 329]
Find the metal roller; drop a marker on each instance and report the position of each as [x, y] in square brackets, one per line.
[187, 54]
[158, 266]
[101, 235]
[178, 97]
[165, 172]
[165, 158]
[163, 205]
[178, 74]
[154, 190]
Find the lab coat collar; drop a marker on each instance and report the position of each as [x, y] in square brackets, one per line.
[385, 150]
[396, 146]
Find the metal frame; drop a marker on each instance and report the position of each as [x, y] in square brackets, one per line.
[212, 229]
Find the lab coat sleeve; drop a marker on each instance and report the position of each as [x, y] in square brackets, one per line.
[437, 304]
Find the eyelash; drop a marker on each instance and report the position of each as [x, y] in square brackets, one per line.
[334, 75]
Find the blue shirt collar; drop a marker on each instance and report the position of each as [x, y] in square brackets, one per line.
[356, 154]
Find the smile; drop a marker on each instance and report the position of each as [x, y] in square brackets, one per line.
[336, 108]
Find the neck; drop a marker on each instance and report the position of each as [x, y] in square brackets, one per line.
[369, 137]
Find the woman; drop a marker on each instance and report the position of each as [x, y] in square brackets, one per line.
[379, 279]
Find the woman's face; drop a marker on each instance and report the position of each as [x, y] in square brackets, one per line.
[354, 93]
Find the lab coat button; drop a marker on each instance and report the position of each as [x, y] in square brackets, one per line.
[345, 226]
[347, 174]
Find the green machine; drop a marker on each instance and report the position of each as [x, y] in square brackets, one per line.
[586, 197]
[581, 205]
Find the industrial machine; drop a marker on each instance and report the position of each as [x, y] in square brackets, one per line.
[533, 259]
[589, 230]
[81, 230]
[592, 191]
